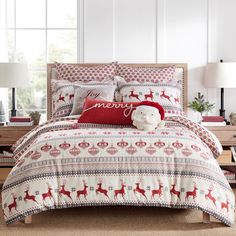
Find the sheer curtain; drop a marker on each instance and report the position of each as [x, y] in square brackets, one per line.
[3, 49]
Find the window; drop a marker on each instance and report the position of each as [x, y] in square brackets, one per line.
[40, 32]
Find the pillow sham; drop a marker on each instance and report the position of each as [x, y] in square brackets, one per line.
[146, 74]
[74, 72]
[92, 91]
[103, 112]
[62, 98]
[167, 94]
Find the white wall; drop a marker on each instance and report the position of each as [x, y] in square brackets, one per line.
[155, 31]
[225, 45]
[3, 49]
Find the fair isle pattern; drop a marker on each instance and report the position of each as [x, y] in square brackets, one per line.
[205, 135]
[167, 94]
[62, 98]
[67, 123]
[65, 164]
[144, 74]
[50, 125]
[85, 74]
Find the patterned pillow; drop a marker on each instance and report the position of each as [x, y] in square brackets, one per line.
[85, 73]
[93, 91]
[146, 74]
[167, 94]
[62, 98]
[103, 112]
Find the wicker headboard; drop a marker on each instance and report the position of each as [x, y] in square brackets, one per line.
[181, 68]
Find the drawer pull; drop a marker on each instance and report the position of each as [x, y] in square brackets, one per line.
[234, 136]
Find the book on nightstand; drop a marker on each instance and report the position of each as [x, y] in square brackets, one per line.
[213, 121]
[212, 118]
[233, 150]
[6, 157]
[20, 121]
[229, 174]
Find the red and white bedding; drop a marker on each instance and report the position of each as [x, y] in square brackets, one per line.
[64, 164]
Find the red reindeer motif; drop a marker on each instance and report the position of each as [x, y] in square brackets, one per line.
[157, 191]
[13, 204]
[83, 191]
[63, 191]
[192, 193]
[28, 196]
[71, 96]
[163, 95]
[225, 205]
[132, 94]
[209, 195]
[101, 190]
[173, 191]
[48, 194]
[149, 95]
[120, 191]
[176, 99]
[139, 190]
[61, 98]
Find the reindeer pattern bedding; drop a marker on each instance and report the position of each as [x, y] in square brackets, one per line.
[63, 164]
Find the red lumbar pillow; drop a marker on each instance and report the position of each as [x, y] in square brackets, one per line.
[103, 112]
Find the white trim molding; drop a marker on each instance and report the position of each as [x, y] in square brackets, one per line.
[161, 31]
[80, 31]
[211, 31]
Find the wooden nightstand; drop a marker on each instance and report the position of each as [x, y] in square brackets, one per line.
[8, 136]
[227, 137]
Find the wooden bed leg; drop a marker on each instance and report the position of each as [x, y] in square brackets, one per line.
[28, 220]
[205, 218]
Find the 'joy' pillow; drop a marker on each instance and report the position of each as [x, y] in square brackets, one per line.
[93, 91]
[103, 112]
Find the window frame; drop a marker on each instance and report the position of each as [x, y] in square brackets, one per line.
[46, 29]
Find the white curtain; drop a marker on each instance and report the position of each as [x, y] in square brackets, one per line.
[3, 49]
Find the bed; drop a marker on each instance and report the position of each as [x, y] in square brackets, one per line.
[63, 164]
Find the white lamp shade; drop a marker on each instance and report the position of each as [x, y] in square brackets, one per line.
[220, 75]
[14, 75]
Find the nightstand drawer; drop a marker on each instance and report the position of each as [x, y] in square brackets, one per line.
[226, 137]
[4, 173]
[9, 135]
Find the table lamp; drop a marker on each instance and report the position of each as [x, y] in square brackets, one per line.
[220, 75]
[14, 75]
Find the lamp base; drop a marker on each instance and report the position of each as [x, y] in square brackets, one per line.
[222, 112]
[13, 112]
